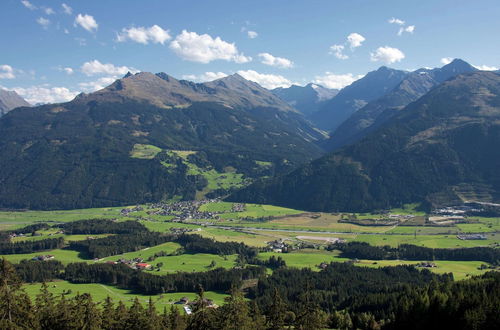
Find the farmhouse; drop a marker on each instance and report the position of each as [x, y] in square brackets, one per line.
[142, 265]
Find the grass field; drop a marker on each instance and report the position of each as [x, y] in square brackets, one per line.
[239, 228]
[12, 220]
[198, 262]
[100, 292]
[168, 247]
[460, 269]
[144, 151]
[62, 255]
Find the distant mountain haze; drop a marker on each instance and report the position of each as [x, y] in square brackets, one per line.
[10, 100]
[355, 96]
[307, 99]
[377, 112]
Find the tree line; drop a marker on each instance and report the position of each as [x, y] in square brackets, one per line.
[102, 226]
[362, 250]
[23, 247]
[411, 304]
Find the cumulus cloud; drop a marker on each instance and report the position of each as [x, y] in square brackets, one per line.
[408, 29]
[28, 4]
[203, 48]
[446, 60]
[279, 62]
[397, 21]
[252, 34]
[92, 86]
[387, 55]
[337, 50]
[144, 35]
[485, 67]
[87, 22]
[44, 22]
[269, 81]
[6, 72]
[95, 67]
[336, 81]
[355, 40]
[207, 76]
[45, 94]
[67, 9]
[49, 11]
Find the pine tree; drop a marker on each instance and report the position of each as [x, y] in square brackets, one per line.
[236, 312]
[310, 316]
[276, 312]
[175, 319]
[108, 315]
[258, 320]
[154, 321]
[16, 310]
[46, 311]
[136, 318]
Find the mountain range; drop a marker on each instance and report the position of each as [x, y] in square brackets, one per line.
[10, 100]
[149, 137]
[307, 99]
[372, 86]
[376, 113]
[440, 149]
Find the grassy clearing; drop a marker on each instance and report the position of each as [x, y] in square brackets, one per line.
[168, 247]
[62, 255]
[223, 235]
[310, 259]
[424, 230]
[432, 241]
[260, 211]
[217, 207]
[198, 262]
[100, 292]
[44, 235]
[19, 219]
[144, 151]
[460, 269]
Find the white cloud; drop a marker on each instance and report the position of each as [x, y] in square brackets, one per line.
[408, 29]
[92, 86]
[203, 48]
[95, 67]
[44, 22]
[446, 60]
[67, 9]
[28, 4]
[485, 67]
[207, 76]
[67, 70]
[397, 21]
[337, 50]
[336, 81]
[87, 22]
[45, 94]
[6, 72]
[269, 81]
[252, 34]
[355, 40]
[144, 35]
[49, 11]
[279, 62]
[387, 55]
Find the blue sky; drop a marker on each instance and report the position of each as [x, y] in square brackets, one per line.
[51, 52]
